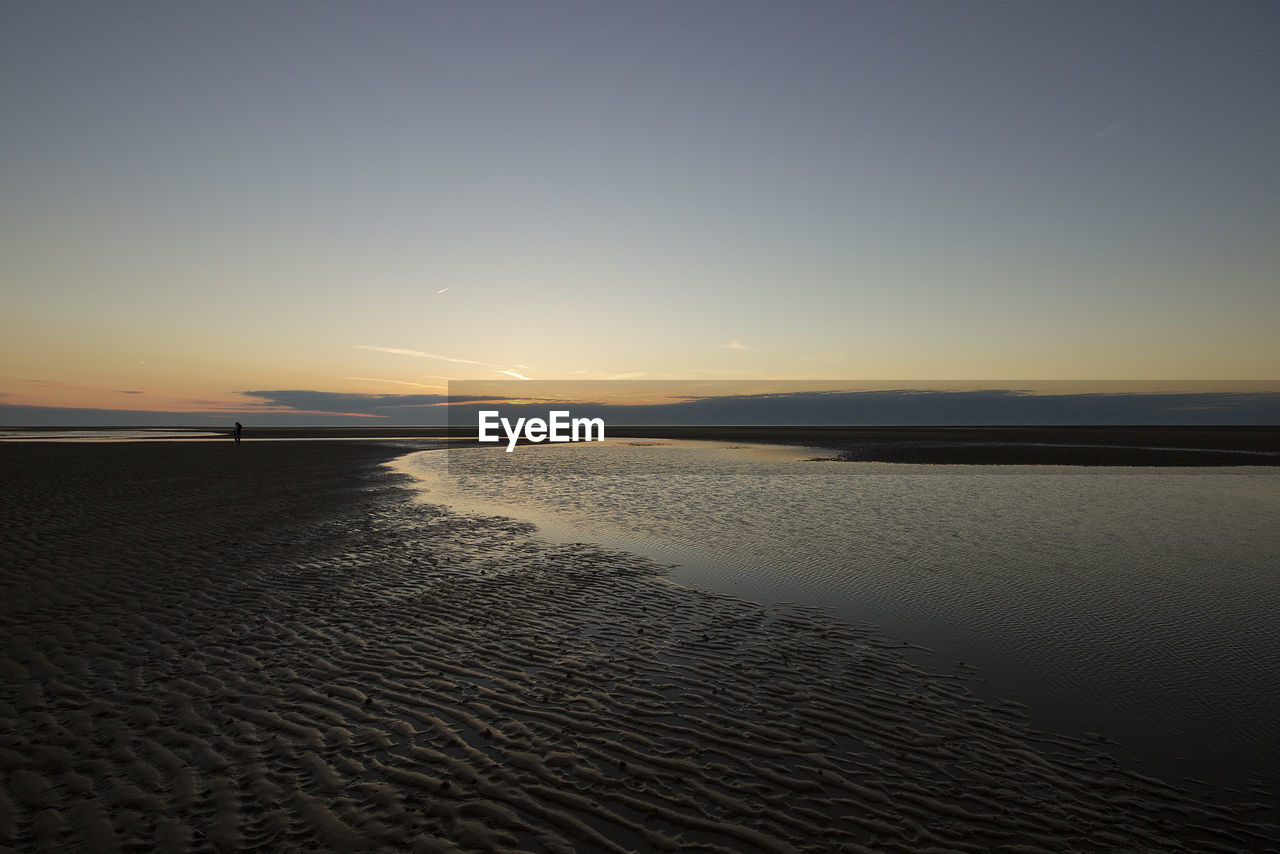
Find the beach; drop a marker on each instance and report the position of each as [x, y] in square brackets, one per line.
[272, 646]
[1074, 445]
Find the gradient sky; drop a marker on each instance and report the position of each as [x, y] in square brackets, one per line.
[203, 199]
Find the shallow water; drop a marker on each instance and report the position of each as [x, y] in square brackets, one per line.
[1136, 603]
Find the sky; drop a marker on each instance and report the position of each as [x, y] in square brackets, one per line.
[207, 204]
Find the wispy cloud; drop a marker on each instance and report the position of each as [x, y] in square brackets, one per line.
[1111, 130]
[734, 344]
[514, 374]
[419, 354]
[602, 375]
[396, 382]
[442, 290]
[328, 401]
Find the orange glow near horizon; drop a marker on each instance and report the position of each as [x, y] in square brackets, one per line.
[75, 396]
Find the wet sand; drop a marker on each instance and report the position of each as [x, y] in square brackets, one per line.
[271, 647]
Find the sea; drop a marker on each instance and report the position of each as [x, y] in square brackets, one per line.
[1135, 607]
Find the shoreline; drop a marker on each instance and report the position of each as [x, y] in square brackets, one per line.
[1070, 446]
[275, 644]
[964, 445]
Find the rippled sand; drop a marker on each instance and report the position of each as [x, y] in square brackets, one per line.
[270, 647]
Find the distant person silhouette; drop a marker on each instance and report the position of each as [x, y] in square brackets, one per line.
[239, 430]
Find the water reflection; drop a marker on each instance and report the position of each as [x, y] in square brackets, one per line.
[1139, 603]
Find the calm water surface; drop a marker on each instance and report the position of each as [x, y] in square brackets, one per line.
[1140, 604]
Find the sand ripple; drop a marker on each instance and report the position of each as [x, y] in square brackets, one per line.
[281, 652]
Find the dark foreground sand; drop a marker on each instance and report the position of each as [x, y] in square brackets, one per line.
[269, 647]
